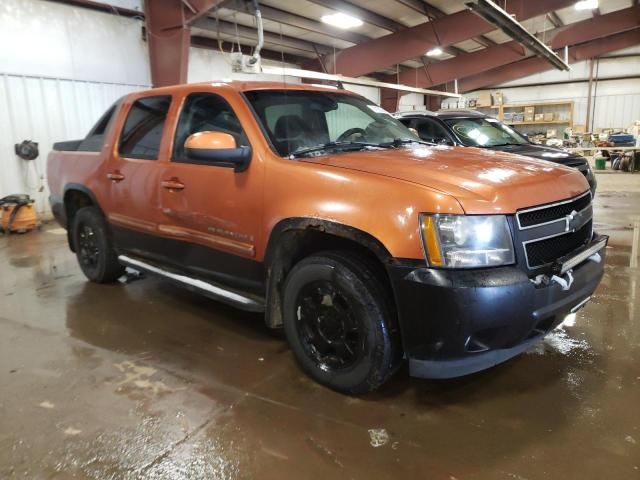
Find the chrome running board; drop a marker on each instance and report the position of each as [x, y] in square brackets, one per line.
[215, 291]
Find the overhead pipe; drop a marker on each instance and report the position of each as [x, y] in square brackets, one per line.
[495, 15]
[256, 53]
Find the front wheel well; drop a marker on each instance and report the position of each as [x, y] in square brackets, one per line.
[293, 242]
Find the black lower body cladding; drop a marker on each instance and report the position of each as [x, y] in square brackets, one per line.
[457, 322]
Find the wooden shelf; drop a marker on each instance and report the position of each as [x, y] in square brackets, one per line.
[552, 122]
[567, 111]
[535, 104]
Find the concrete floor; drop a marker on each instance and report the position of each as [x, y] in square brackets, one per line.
[146, 381]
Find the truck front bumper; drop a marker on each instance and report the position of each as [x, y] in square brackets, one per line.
[457, 322]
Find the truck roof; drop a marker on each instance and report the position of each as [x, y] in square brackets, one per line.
[244, 86]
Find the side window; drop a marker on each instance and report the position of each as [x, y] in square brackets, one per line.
[94, 140]
[431, 131]
[142, 132]
[206, 112]
[346, 117]
[407, 122]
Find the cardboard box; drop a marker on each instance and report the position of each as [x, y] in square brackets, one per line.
[538, 117]
[548, 117]
[530, 110]
[528, 117]
[484, 100]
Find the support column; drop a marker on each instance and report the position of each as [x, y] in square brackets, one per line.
[586, 125]
[432, 103]
[168, 38]
[389, 99]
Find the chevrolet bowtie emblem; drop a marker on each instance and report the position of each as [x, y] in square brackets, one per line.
[569, 227]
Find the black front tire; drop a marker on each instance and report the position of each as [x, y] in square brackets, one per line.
[347, 286]
[94, 249]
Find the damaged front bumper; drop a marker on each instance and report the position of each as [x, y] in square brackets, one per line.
[457, 322]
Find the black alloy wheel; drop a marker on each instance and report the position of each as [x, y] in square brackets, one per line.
[93, 246]
[340, 322]
[329, 329]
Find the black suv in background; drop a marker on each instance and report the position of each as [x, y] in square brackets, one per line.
[468, 128]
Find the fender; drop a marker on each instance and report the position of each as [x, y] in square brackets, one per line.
[325, 226]
[67, 217]
[281, 250]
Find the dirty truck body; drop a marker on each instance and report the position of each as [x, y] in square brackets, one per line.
[316, 207]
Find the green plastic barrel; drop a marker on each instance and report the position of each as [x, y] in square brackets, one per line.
[601, 163]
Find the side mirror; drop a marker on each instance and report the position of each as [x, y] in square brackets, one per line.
[217, 148]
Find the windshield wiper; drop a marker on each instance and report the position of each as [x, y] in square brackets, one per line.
[337, 146]
[398, 142]
[355, 146]
[505, 144]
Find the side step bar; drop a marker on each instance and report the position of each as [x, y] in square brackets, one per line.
[211, 290]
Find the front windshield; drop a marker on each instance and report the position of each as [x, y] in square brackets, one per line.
[484, 132]
[304, 121]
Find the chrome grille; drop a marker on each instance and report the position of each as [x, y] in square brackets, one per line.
[554, 212]
[551, 231]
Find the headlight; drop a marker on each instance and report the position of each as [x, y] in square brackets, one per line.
[466, 241]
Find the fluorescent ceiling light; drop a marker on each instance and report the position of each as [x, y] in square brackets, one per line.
[434, 52]
[341, 20]
[586, 5]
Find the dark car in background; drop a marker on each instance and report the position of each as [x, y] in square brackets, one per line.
[469, 128]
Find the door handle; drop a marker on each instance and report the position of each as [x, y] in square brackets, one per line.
[173, 184]
[115, 176]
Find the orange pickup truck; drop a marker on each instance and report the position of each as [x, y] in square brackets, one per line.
[315, 206]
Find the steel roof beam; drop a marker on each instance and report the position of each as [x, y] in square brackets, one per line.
[413, 42]
[505, 53]
[533, 65]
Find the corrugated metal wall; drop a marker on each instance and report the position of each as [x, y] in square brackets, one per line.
[45, 110]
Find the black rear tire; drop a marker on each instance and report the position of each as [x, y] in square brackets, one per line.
[340, 322]
[94, 249]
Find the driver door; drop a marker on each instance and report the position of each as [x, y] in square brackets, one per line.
[211, 215]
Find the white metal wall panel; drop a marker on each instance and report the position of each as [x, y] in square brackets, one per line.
[370, 93]
[38, 37]
[45, 110]
[411, 101]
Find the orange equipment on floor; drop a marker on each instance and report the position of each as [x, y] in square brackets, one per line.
[17, 214]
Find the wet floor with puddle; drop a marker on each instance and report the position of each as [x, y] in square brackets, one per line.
[147, 381]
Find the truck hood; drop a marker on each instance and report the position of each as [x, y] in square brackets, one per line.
[483, 181]
[543, 153]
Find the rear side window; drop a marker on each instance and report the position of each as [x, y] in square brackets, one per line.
[94, 140]
[142, 132]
